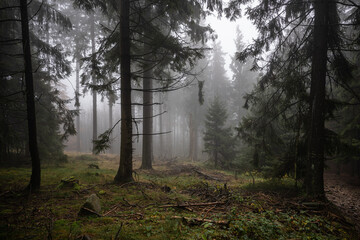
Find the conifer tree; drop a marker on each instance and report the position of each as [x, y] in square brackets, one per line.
[307, 42]
[30, 102]
[45, 141]
[219, 142]
[243, 79]
[169, 51]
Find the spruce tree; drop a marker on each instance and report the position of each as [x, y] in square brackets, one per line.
[35, 179]
[306, 42]
[40, 85]
[219, 142]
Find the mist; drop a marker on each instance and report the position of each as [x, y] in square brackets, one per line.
[196, 119]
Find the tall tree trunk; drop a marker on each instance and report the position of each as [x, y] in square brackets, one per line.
[161, 144]
[314, 179]
[216, 158]
[194, 156]
[147, 144]
[124, 173]
[78, 146]
[35, 179]
[111, 150]
[92, 33]
[191, 136]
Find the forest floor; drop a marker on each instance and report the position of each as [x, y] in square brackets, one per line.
[344, 192]
[175, 200]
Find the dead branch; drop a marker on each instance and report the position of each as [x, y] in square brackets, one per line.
[198, 221]
[129, 204]
[118, 232]
[141, 216]
[192, 204]
[111, 210]
[207, 177]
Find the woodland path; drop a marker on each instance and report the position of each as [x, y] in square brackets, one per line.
[344, 192]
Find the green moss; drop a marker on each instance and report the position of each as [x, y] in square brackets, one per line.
[136, 207]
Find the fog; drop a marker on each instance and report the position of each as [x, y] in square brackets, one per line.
[146, 119]
[183, 112]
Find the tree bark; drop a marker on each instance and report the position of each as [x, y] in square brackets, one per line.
[147, 145]
[35, 179]
[92, 33]
[216, 158]
[191, 136]
[111, 150]
[124, 173]
[314, 181]
[161, 127]
[195, 141]
[78, 145]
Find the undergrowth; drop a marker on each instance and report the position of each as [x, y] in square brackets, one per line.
[161, 204]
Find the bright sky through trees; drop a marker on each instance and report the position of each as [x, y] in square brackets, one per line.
[226, 32]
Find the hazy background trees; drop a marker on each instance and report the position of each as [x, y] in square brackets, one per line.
[174, 85]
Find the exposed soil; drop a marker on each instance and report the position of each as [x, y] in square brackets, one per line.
[344, 192]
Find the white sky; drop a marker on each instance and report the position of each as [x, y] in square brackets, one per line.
[226, 31]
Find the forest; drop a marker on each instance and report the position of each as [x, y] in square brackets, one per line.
[140, 120]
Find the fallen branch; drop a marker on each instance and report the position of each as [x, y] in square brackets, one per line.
[198, 221]
[118, 232]
[111, 210]
[129, 204]
[207, 177]
[141, 216]
[192, 204]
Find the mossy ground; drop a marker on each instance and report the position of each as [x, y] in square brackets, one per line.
[266, 210]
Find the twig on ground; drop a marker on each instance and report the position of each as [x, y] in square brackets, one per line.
[111, 210]
[129, 204]
[118, 232]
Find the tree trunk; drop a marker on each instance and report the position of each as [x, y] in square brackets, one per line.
[161, 145]
[191, 136]
[111, 150]
[216, 158]
[124, 173]
[92, 33]
[314, 181]
[194, 156]
[147, 145]
[78, 146]
[35, 179]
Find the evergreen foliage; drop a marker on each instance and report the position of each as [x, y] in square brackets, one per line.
[290, 33]
[218, 139]
[242, 82]
[49, 66]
